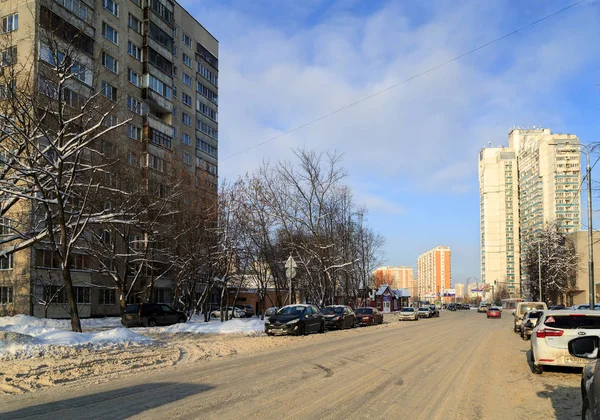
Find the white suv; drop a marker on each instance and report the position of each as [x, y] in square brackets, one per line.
[554, 330]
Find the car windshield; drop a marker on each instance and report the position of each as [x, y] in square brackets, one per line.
[573, 321]
[535, 314]
[407, 310]
[330, 310]
[364, 311]
[424, 309]
[292, 310]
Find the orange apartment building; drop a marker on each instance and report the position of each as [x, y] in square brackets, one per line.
[401, 277]
[434, 274]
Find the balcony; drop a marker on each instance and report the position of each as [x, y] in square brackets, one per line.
[157, 124]
[157, 103]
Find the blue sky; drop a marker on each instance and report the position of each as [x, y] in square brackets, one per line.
[410, 153]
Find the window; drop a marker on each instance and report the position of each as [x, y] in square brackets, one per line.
[208, 130]
[187, 120]
[186, 139]
[109, 91]
[134, 105]
[110, 62]
[156, 163]
[207, 74]
[9, 57]
[206, 92]
[134, 51]
[160, 139]
[81, 73]
[111, 6]
[186, 99]
[187, 40]
[161, 10]
[187, 60]
[206, 110]
[6, 262]
[6, 226]
[159, 87]
[106, 237]
[131, 159]
[135, 24]
[110, 121]
[160, 36]
[207, 148]
[187, 79]
[80, 262]
[137, 2]
[134, 78]
[82, 294]
[46, 258]
[187, 158]
[10, 23]
[134, 133]
[110, 33]
[160, 62]
[78, 7]
[162, 295]
[7, 90]
[6, 295]
[108, 297]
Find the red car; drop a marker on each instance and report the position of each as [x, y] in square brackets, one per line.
[368, 316]
[494, 312]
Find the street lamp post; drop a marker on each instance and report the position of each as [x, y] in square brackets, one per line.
[588, 171]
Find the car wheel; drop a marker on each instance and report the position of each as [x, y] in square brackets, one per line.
[515, 327]
[182, 320]
[538, 369]
[586, 413]
[152, 323]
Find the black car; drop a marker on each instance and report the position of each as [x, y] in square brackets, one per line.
[587, 347]
[339, 317]
[452, 307]
[151, 315]
[295, 319]
[435, 312]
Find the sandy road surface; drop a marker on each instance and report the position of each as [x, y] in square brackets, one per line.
[460, 365]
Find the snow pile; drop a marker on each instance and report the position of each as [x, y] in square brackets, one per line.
[65, 324]
[23, 336]
[248, 326]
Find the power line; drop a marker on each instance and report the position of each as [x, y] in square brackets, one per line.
[458, 57]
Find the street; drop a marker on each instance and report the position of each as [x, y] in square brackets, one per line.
[460, 365]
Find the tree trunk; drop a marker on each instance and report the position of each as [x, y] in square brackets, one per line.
[73, 311]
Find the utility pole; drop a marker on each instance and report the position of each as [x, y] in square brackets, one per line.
[290, 272]
[540, 271]
[588, 170]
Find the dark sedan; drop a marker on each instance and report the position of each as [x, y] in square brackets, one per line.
[339, 317]
[368, 316]
[295, 319]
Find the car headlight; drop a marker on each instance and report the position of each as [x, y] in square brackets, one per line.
[294, 321]
[336, 318]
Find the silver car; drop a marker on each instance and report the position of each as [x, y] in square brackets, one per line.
[409, 313]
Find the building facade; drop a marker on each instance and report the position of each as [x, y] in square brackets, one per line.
[532, 182]
[460, 290]
[433, 273]
[157, 66]
[399, 277]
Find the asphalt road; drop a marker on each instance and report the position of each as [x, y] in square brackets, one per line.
[460, 365]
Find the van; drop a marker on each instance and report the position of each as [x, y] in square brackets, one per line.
[523, 308]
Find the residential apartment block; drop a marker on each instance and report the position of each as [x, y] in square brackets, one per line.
[433, 273]
[159, 66]
[397, 277]
[522, 187]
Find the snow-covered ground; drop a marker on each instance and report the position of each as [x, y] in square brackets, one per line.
[26, 336]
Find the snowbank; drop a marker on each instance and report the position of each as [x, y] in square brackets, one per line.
[25, 336]
[248, 326]
[64, 324]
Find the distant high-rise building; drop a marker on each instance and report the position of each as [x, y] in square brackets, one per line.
[459, 289]
[433, 273]
[522, 187]
[397, 277]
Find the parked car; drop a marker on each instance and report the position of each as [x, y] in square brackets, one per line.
[151, 315]
[557, 307]
[435, 312]
[586, 306]
[528, 323]
[586, 348]
[232, 311]
[452, 307]
[424, 312]
[554, 330]
[409, 313]
[295, 319]
[339, 317]
[248, 309]
[271, 311]
[494, 312]
[368, 316]
[522, 308]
